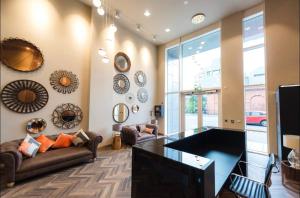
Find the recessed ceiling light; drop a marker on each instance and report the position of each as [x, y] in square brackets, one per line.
[101, 52]
[167, 30]
[147, 13]
[198, 18]
[105, 59]
[202, 42]
[138, 27]
[97, 3]
[100, 11]
[247, 28]
[190, 48]
[185, 2]
[154, 37]
[117, 14]
[113, 28]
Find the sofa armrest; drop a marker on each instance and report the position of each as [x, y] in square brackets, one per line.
[154, 127]
[12, 149]
[92, 145]
[129, 135]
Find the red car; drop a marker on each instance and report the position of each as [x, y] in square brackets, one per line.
[256, 117]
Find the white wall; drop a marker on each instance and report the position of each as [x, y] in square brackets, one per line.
[102, 96]
[61, 29]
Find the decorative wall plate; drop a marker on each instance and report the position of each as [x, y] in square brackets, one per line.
[122, 62]
[120, 113]
[121, 84]
[142, 95]
[67, 116]
[24, 96]
[140, 78]
[36, 125]
[135, 108]
[130, 98]
[64, 81]
[20, 55]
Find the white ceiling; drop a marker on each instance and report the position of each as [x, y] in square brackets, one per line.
[173, 14]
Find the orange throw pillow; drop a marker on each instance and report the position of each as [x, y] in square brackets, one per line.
[46, 143]
[63, 141]
[148, 130]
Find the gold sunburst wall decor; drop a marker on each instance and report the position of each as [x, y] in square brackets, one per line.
[64, 81]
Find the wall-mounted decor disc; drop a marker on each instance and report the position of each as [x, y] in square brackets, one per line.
[24, 96]
[142, 95]
[64, 81]
[121, 84]
[20, 55]
[140, 78]
[67, 116]
[36, 125]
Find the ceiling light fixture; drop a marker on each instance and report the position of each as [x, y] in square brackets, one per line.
[105, 59]
[185, 2]
[167, 30]
[198, 18]
[154, 37]
[100, 11]
[138, 27]
[147, 13]
[117, 14]
[97, 3]
[202, 42]
[113, 28]
[101, 52]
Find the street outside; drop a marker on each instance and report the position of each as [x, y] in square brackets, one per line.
[256, 135]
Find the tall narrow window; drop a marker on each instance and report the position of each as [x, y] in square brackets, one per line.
[172, 93]
[254, 83]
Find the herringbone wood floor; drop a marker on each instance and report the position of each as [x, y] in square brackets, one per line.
[109, 176]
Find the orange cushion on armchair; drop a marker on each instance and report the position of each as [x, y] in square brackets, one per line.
[46, 143]
[63, 141]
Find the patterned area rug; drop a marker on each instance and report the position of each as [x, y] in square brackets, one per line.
[109, 176]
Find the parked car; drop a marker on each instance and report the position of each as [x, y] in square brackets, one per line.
[256, 117]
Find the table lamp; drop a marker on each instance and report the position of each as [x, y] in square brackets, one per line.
[293, 142]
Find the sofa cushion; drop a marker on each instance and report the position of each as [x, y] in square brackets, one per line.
[63, 141]
[46, 143]
[144, 136]
[29, 147]
[53, 157]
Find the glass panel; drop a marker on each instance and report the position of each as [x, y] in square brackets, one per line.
[254, 82]
[173, 113]
[201, 62]
[191, 112]
[210, 110]
[173, 69]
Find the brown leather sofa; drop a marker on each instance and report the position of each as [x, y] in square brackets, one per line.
[15, 167]
[131, 134]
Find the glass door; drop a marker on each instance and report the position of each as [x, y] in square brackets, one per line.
[200, 110]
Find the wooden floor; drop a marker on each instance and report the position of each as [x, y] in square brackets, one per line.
[110, 176]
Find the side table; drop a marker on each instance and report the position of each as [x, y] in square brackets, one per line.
[290, 176]
[117, 142]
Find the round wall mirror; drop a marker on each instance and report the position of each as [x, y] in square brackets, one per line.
[140, 78]
[122, 62]
[142, 95]
[120, 113]
[121, 84]
[21, 55]
[135, 108]
[64, 81]
[36, 125]
[67, 116]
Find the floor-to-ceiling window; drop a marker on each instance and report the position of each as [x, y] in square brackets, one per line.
[195, 66]
[172, 95]
[254, 83]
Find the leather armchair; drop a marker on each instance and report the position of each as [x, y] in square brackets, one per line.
[131, 135]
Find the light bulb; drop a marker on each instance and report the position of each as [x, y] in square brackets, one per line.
[101, 52]
[105, 59]
[100, 11]
[97, 3]
[113, 28]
